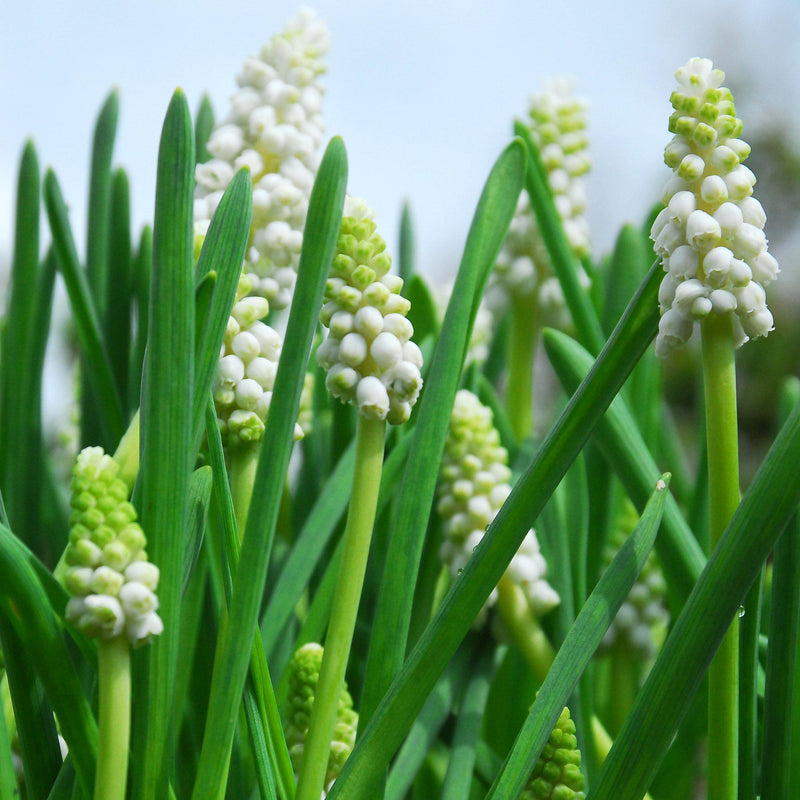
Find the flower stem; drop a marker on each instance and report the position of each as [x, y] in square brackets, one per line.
[244, 461]
[114, 668]
[522, 345]
[719, 382]
[357, 536]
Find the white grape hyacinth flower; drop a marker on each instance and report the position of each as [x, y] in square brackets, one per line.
[274, 128]
[369, 357]
[473, 485]
[557, 121]
[710, 237]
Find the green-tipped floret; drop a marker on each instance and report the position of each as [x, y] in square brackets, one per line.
[557, 774]
[303, 676]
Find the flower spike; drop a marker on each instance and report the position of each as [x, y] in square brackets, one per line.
[710, 237]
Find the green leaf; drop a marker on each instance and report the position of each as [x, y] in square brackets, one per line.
[415, 496]
[759, 520]
[423, 314]
[406, 259]
[25, 605]
[231, 659]
[117, 302]
[223, 252]
[489, 561]
[203, 126]
[85, 316]
[579, 645]
[142, 271]
[623, 447]
[167, 454]
[199, 497]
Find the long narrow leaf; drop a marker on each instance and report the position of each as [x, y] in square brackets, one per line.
[579, 645]
[166, 450]
[231, 659]
[624, 448]
[503, 537]
[758, 522]
[222, 251]
[415, 497]
[26, 606]
[87, 320]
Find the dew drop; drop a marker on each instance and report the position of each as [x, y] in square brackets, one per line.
[741, 611]
[460, 571]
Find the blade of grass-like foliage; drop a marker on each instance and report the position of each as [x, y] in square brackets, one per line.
[142, 270]
[85, 316]
[117, 302]
[759, 520]
[231, 659]
[270, 756]
[36, 727]
[405, 252]
[199, 498]
[489, 561]
[426, 728]
[8, 783]
[467, 734]
[565, 265]
[25, 605]
[784, 621]
[415, 496]
[749, 628]
[98, 219]
[203, 125]
[14, 336]
[422, 314]
[223, 252]
[572, 658]
[97, 250]
[618, 436]
[166, 447]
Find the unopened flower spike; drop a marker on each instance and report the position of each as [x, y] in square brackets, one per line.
[557, 121]
[275, 128]
[557, 774]
[640, 625]
[111, 582]
[473, 484]
[710, 237]
[303, 676]
[369, 356]
[246, 371]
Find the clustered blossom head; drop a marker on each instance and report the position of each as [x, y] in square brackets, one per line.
[641, 622]
[275, 128]
[473, 484]
[557, 774]
[710, 237]
[369, 356]
[246, 370]
[109, 577]
[558, 126]
[303, 677]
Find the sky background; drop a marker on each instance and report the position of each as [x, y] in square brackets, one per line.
[424, 94]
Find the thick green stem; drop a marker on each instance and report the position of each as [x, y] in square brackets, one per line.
[244, 461]
[522, 346]
[114, 668]
[357, 536]
[719, 382]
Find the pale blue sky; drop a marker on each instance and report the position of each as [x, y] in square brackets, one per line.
[423, 94]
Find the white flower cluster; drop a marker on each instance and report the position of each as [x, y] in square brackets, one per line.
[369, 356]
[710, 236]
[641, 622]
[473, 484]
[109, 577]
[275, 128]
[523, 268]
[246, 370]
